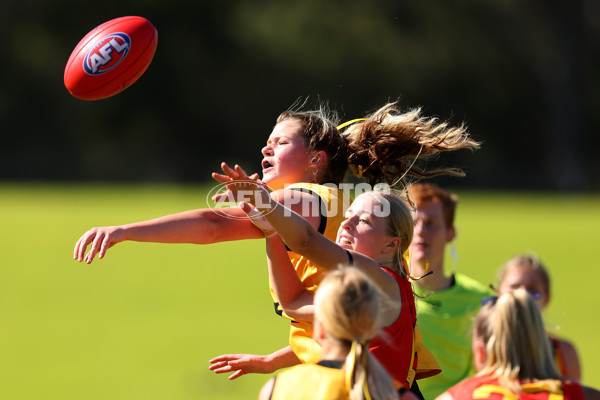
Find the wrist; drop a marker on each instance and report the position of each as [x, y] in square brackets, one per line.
[270, 233]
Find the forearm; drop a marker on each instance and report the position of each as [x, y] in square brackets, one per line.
[282, 358]
[200, 226]
[297, 233]
[283, 277]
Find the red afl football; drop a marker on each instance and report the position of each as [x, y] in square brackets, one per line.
[110, 58]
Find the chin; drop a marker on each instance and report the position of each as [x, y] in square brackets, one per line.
[268, 179]
[418, 257]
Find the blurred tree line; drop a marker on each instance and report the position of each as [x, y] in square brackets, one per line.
[523, 75]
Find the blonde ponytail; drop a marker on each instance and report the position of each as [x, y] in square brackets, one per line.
[347, 305]
[517, 346]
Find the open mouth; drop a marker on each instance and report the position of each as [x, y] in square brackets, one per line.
[344, 240]
[266, 165]
[420, 246]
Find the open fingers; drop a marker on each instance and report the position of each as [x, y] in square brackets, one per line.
[105, 246]
[94, 248]
[222, 370]
[82, 244]
[237, 374]
[224, 357]
[220, 178]
[229, 171]
[242, 175]
[76, 255]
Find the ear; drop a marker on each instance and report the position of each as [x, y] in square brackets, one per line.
[318, 158]
[479, 354]
[450, 234]
[318, 331]
[392, 245]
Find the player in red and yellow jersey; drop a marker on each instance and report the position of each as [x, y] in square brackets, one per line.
[513, 356]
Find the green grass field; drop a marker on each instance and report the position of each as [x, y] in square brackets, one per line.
[143, 322]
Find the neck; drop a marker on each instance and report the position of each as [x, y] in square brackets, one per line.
[434, 282]
[333, 350]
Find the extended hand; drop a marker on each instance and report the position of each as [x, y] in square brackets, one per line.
[101, 239]
[236, 173]
[240, 186]
[241, 364]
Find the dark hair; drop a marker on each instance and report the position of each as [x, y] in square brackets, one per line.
[320, 133]
[383, 147]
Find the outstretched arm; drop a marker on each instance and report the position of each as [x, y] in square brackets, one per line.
[242, 364]
[202, 226]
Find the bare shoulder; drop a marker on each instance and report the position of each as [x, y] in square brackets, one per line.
[445, 396]
[571, 358]
[267, 390]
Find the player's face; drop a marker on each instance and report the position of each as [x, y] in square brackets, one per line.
[286, 159]
[365, 228]
[525, 278]
[430, 234]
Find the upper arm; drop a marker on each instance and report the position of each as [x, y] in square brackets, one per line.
[571, 359]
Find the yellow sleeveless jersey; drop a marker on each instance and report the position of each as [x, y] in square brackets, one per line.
[333, 205]
[310, 382]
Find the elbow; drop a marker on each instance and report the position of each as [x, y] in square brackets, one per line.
[291, 312]
[298, 312]
[303, 240]
[210, 229]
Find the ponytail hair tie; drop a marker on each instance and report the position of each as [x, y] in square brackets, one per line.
[363, 362]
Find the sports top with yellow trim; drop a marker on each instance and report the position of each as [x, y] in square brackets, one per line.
[395, 348]
[333, 204]
[487, 387]
[322, 381]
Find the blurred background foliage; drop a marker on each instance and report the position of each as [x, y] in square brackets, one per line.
[523, 75]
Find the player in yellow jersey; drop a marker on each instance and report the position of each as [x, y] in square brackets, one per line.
[346, 318]
[388, 144]
[305, 146]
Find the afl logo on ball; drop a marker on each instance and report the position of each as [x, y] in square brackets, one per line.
[107, 53]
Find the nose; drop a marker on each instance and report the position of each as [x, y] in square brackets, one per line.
[267, 151]
[418, 228]
[348, 224]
